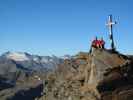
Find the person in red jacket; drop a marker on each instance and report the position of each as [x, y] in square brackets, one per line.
[101, 43]
[94, 43]
[98, 43]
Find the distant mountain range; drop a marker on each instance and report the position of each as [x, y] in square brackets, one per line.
[34, 62]
[15, 65]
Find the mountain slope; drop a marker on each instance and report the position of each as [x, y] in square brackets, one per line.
[23, 72]
[90, 77]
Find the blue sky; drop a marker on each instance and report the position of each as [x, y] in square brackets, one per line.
[61, 27]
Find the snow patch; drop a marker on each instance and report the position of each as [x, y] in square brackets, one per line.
[17, 56]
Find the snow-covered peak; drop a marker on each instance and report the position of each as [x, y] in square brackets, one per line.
[17, 56]
[34, 62]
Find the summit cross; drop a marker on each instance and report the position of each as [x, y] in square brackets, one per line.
[110, 25]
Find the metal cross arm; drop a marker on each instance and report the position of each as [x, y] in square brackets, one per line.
[110, 25]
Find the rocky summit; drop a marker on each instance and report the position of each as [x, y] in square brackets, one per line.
[100, 75]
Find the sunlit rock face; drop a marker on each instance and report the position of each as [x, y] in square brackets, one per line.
[101, 75]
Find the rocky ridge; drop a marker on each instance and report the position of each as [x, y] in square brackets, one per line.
[101, 75]
[22, 74]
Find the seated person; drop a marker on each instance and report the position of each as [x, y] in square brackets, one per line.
[101, 43]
